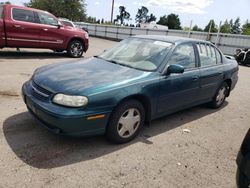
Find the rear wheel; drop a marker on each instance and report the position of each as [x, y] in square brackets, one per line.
[75, 49]
[220, 96]
[125, 122]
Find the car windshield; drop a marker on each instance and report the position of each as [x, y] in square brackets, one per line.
[138, 53]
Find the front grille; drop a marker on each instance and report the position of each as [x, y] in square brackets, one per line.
[40, 92]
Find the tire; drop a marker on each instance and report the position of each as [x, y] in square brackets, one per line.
[242, 180]
[75, 49]
[125, 122]
[220, 96]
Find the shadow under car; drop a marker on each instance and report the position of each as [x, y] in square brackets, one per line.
[39, 148]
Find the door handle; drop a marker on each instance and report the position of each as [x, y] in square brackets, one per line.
[195, 78]
[18, 26]
[44, 29]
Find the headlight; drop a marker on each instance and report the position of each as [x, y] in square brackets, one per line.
[68, 100]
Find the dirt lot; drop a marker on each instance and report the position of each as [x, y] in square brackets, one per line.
[162, 156]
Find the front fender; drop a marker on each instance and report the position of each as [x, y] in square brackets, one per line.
[109, 99]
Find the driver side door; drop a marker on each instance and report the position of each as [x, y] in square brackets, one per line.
[51, 36]
[178, 91]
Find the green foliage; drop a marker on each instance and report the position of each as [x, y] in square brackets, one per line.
[74, 10]
[124, 15]
[150, 18]
[143, 17]
[172, 21]
[90, 19]
[196, 28]
[212, 25]
[246, 28]
[236, 27]
[6, 2]
[226, 27]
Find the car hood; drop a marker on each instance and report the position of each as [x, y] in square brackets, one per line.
[86, 76]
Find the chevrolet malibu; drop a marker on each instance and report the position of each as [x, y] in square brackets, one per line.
[140, 79]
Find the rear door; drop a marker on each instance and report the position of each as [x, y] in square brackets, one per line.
[178, 91]
[51, 35]
[211, 68]
[21, 28]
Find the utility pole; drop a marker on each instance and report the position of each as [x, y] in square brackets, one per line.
[112, 10]
[190, 28]
[209, 31]
[218, 35]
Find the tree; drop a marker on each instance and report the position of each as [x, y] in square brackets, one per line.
[246, 28]
[143, 17]
[172, 21]
[231, 23]
[102, 22]
[226, 27]
[196, 28]
[212, 25]
[6, 2]
[236, 27]
[74, 10]
[90, 19]
[124, 15]
[150, 18]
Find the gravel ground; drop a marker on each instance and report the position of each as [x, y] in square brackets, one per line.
[162, 156]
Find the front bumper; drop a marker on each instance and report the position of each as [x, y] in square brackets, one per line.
[63, 120]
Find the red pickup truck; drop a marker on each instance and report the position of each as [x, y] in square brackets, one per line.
[22, 27]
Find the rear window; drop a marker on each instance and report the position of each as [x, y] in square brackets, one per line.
[23, 15]
[1, 12]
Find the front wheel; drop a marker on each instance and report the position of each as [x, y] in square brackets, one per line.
[220, 96]
[75, 49]
[125, 122]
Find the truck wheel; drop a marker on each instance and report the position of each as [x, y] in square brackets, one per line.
[220, 96]
[75, 49]
[125, 122]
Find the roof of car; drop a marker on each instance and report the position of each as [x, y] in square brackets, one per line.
[171, 39]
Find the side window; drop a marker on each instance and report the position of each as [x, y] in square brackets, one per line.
[218, 57]
[23, 15]
[207, 56]
[213, 54]
[47, 19]
[183, 55]
[1, 12]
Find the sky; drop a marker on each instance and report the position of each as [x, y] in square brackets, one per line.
[199, 11]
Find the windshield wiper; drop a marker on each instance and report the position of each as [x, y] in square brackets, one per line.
[113, 61]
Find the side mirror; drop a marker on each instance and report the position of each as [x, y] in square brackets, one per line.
[175, 69]
[59, 26]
